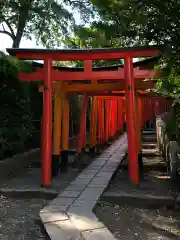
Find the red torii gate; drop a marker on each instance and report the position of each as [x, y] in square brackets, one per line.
[100, 81]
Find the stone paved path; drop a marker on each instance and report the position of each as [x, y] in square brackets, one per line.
[70, 216]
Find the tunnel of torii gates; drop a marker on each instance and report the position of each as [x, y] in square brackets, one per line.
[117, 95]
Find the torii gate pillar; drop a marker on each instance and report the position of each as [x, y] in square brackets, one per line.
[131, 120]
[47, 124]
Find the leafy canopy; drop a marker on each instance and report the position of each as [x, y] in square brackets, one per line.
[95, 36]
[142, 21]
[47, 20]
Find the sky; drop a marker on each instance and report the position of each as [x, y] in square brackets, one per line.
[6, 42]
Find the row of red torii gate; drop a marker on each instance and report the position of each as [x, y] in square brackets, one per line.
[118, 94]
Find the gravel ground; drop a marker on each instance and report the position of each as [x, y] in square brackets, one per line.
[129, 223]
[19, 219]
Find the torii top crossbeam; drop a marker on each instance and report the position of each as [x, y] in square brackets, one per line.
[84, 54]
[114, 75]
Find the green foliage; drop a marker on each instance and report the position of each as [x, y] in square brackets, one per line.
[47, 20]
[95, 36]
[19, 108]
[142, 20]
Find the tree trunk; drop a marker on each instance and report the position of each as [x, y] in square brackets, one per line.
[23, 16]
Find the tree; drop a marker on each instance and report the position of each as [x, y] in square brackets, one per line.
[95, 36]
[142, 21]
[48, 20]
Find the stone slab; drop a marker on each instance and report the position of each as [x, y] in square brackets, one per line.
[87, 204]
[84, 175]
[83, 181]
[99, 181]
[84, 220]
[91, 193]
[94, 184]
[62, 201]
[105, 175]
[98, 234]
[86, 171]
[54, 208]
[53, 216]
[76, 187]
[71, 194]
[94, 167]
[62, 230]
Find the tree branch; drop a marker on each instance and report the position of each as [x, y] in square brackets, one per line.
[7, 33]
[9, 26]
[3, 27]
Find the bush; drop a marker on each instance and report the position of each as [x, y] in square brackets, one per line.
[19, 109]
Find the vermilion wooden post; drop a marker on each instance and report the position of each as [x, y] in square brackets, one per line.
[57, 134]
[81, 138]
[122, 113]
[140, 112]
[65, 135]
[115, 117]
[47, 124]
[93, 128]
[103, 121]
[118, 115]
[95, 123]
[131, 121]
[106, 121]
[92, 114]
[99, 121]
[110, 118]
[137, 124]
[113, 124]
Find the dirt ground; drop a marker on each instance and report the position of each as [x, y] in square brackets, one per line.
[19, 219]
[130, 223]
[19, 215]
